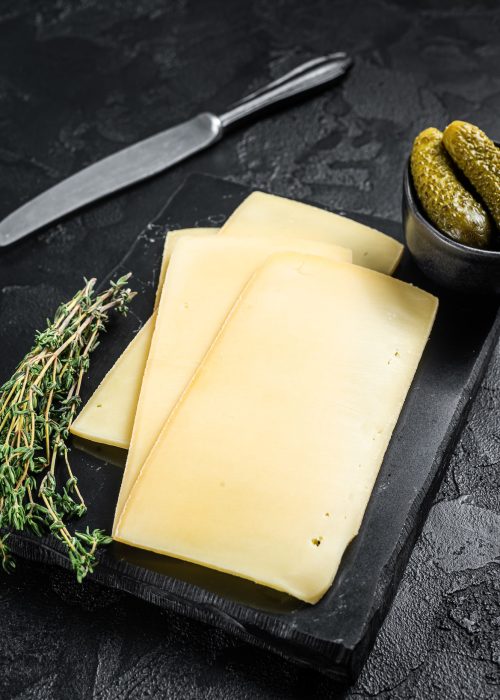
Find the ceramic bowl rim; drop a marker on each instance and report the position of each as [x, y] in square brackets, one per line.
[459, 249]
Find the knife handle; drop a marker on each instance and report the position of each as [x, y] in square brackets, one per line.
[312, 74]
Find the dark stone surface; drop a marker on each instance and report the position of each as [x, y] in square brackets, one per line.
[79, 79]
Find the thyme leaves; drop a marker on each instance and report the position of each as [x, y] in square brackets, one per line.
[38, 489]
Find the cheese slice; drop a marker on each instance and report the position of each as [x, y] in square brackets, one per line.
[266, 464]
[108, 416]
[170, 242]
[267, 215]
[204, 278]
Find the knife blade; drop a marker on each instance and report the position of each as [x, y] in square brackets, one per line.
[161, 151]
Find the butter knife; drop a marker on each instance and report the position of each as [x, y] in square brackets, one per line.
[161, 151]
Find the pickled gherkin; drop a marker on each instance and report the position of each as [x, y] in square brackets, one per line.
[447, 203]
[479, 159]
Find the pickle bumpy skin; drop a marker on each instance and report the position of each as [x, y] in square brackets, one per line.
[450, 207]
[479, 159]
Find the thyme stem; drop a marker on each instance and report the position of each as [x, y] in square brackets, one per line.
[37, 406]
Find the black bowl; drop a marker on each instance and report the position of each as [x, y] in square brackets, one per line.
[452, 265]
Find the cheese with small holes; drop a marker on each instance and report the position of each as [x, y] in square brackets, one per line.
[108, 416]
[204, 278]
[265, 466]
[267, 215]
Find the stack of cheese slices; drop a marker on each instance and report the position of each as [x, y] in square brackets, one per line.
[258, 401]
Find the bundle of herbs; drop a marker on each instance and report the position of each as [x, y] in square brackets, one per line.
[38, 490]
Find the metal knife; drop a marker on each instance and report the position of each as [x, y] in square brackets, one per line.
[159, 152]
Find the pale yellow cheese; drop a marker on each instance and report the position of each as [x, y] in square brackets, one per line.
[170, 243]
[265, 465]
[267, 215]
[204, 278]
[108, 416]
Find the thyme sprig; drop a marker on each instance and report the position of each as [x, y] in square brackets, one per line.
[38, 490]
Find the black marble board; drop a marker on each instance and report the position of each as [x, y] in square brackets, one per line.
[335, 634]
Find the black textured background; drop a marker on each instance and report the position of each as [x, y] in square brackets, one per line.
[81, 78]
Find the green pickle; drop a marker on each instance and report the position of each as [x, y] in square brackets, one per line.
[479, 159]
[450, 207]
